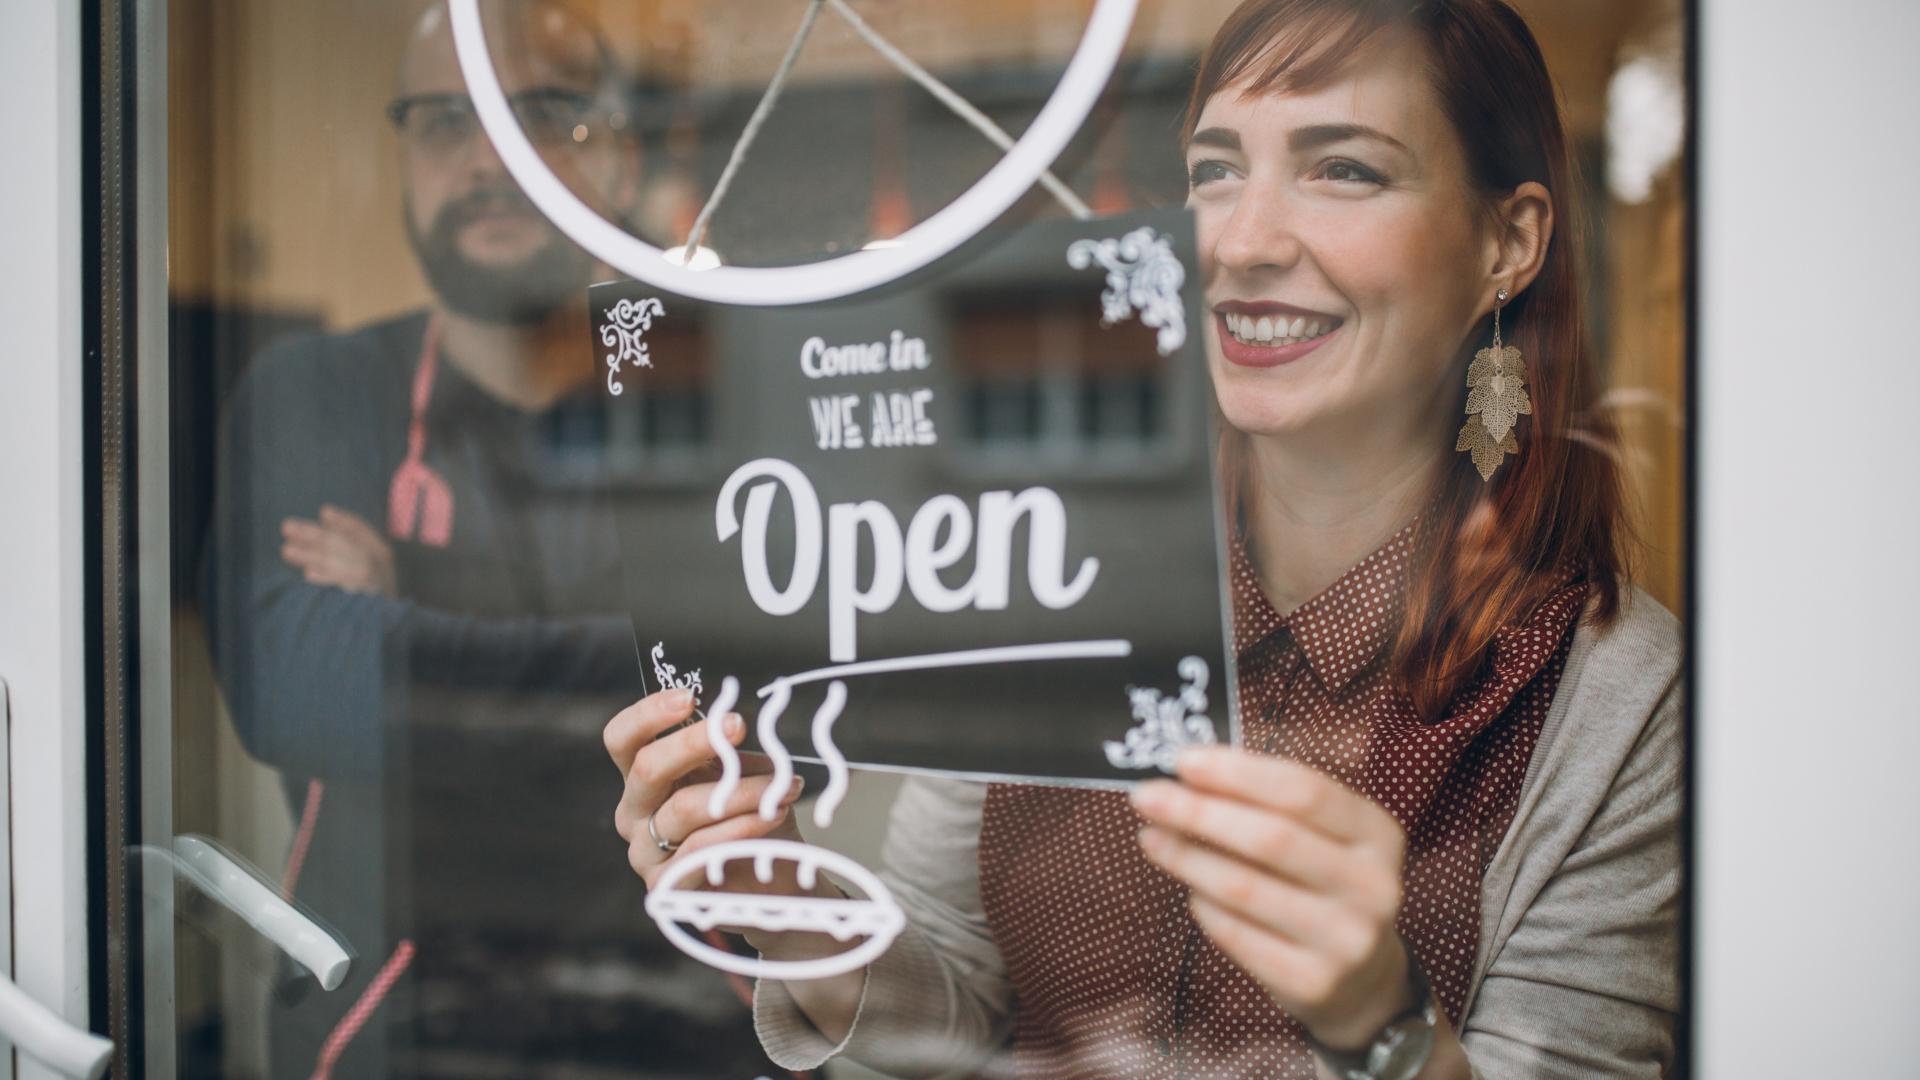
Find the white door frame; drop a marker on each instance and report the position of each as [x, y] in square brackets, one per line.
[1807, 868]
[42, 549]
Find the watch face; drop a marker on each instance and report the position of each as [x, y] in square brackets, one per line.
[1401, 1051]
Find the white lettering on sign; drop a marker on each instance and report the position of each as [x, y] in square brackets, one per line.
[834, 427]
[900, 418]
[914, 560]
[753, 546]
[899, 352]
[926, 557]
[822, 361]
[906, 353]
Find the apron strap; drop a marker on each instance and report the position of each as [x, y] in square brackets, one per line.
[419, 501]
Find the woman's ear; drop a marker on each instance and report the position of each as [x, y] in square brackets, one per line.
[1523, 227]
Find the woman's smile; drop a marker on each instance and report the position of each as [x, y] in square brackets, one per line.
[1259, 333]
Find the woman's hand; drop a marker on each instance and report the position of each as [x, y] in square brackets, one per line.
[1294, 877]
[670, 776]
[340, 549]
[670, 779]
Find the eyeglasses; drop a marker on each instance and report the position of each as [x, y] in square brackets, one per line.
[441, 124]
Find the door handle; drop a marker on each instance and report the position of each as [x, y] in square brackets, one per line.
[37, 1031]
[42, 1034]
[240, 891]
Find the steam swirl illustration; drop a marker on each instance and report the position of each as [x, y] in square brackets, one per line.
[775, 750]
[836, 763]
[779, 695]
[722, 749]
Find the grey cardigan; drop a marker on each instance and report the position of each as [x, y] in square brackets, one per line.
[1577, 969]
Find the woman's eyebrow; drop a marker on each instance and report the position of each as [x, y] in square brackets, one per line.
[1315, 136]
[1217, 137]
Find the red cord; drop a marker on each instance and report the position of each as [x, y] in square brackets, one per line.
[362, 1010]
[302, 840]
[418, 499]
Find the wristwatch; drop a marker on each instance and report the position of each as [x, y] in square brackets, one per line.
[1400, 1050]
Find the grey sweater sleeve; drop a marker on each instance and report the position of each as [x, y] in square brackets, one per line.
[938, 1002]
[1579, 958]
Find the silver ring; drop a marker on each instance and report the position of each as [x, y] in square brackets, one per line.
[657, 842]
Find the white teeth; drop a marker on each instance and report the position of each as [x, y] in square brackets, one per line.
[1266, 331]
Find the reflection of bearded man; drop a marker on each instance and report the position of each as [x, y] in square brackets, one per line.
[436, 639]
[520, 293]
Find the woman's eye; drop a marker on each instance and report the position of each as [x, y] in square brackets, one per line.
[1206, 171]
[1341, 170]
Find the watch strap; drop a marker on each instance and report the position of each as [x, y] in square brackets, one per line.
[1358, 1064]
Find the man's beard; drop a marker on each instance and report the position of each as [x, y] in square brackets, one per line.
[524, 293]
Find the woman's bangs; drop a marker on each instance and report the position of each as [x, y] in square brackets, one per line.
[1286, 47]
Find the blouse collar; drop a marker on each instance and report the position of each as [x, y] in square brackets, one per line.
[1342, 630]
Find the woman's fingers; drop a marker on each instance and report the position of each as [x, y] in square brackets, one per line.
[1304, 917]
[1296, 975]
[1259, 836]
[1293, 789]
[647, 785]
[639, 723]
[685, 811]
[650, 862]
[1292, 875]
[663, 764]
[668, 762]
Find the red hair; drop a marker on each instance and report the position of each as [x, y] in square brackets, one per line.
[1490, 552]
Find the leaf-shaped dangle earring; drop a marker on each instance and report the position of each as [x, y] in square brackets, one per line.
[1496, 399]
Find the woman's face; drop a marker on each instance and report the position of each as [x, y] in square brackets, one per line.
[1343, 253]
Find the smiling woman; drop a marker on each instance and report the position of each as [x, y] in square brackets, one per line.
[1398, 182]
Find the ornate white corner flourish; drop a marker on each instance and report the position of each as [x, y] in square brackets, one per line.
[670, 677]
[627, 324]
[876, 916]
[1163, 725]
[1144, 276]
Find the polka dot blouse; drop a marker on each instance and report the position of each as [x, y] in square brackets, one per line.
[1111, 975]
